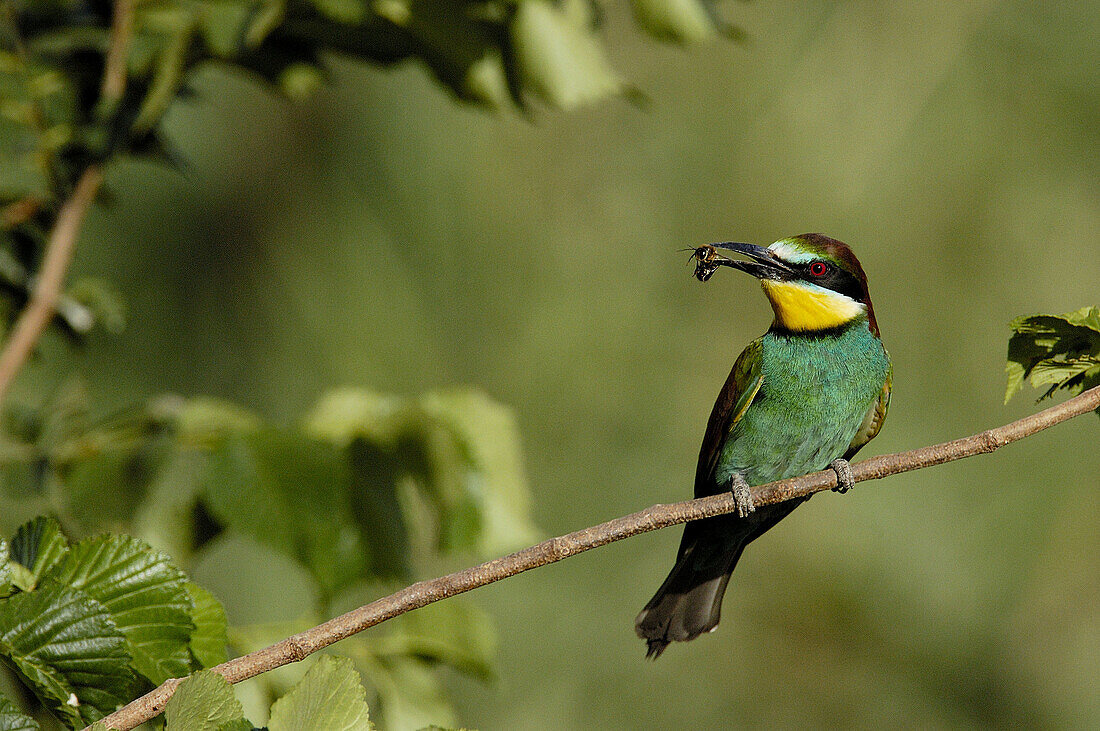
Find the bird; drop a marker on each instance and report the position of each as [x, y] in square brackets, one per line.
[805, 396]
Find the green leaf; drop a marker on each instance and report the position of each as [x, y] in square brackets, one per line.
[461, 446]
[209, 640]
[492, 473]
[204, 702]
[145, 595]
[289, 492]
[11, 719]
[454, 633]
[68, 647]
[410, 694]
[683, 21]
[329, 697]
[103, 304]
[558, 55]
[37, 546]
[165, 516]
[1059, 351]
[5, 569]
[205, 422]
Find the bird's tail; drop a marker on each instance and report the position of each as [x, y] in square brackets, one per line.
[689, 602]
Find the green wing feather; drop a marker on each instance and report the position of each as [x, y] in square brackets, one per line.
[733, 401]
[872, 423]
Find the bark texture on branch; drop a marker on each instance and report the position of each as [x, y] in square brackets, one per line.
[300, 646]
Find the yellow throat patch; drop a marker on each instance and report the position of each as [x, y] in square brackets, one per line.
[805, 307]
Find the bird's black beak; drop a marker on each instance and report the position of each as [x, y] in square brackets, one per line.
[764, 264]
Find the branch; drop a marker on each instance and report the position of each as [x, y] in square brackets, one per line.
[114, 69]
[50, 280]
[42, 305]
[300, 646]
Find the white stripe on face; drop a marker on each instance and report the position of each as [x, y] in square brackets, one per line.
[787, 250]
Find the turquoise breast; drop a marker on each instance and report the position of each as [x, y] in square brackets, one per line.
[815, 394]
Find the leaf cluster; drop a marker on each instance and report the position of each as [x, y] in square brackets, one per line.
[354, 494]
[328, 697]
[1059, 352]
[88, 626]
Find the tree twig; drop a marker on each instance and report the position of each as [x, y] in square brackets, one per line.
[42, 305]
[114, 69]
[300, 646]
[50, 280]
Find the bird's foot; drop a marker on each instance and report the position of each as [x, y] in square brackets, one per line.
[742, 496]
[844, 478]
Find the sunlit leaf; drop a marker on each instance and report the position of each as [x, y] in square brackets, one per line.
[488, 438]
[558, 55]
[204, 702]
[5, 569]
[329, 697]
[1059, 351]
[683, 21]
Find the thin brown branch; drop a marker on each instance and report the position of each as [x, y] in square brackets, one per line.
[114, 69]
[50, 280]
[423, 593]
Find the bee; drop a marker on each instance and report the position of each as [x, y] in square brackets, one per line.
[706, 261]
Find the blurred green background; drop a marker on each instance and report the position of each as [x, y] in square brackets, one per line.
[383, 235]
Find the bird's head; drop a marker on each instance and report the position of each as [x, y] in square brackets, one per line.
[814, 283]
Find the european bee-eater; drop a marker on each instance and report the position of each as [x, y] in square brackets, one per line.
[803, 397]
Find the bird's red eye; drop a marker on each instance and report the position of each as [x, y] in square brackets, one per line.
[818, 269]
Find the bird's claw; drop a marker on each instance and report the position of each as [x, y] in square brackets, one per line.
[742, 496]
[844, 478]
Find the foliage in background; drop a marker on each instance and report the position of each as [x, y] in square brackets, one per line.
[347, 494]
[367, 484]
[53, 123]
[57, 116]
[1060, 352]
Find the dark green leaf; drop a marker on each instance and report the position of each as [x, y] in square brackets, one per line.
[37, 546]
[204, 702]
[145, 595]
[1059, 351]
[12, 720]
[68, 647]
[209, 640]
[329, 697]
[377, 508]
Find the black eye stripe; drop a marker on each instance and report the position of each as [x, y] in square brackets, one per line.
[834, 278]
